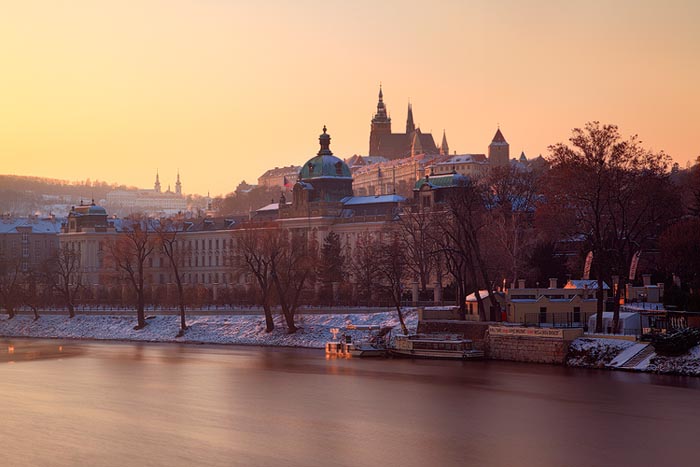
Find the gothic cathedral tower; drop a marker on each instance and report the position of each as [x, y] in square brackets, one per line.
[381, 125]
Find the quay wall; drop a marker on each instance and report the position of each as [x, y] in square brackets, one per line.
[514, 343]
[535, 345]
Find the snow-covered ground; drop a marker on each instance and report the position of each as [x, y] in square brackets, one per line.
[611, 353]
[314, 330]
[595, 353]
[688, 364]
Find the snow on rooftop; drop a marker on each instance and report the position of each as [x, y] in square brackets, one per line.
[360, 200]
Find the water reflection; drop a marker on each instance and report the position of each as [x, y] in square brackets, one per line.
[27, 350]
[115, 404]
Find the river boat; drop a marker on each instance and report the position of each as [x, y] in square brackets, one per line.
[371, 345]
[436, 346]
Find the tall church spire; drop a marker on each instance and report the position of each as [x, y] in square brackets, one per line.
[444, 148]
[178, 185]
[381, 115]
[410, 126]
[156, 186]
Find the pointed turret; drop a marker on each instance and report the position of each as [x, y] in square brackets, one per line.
[156, 186]
[498, 138]
[444, 148]
[499, 150]
[410, 126]
[178, 185]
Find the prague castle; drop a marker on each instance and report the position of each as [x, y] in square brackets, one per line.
[384, 143]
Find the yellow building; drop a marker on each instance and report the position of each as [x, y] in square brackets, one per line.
[553, 305]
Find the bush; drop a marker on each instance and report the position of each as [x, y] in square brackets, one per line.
[677, 343]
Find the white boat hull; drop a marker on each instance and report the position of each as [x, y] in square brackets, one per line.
[439, 354]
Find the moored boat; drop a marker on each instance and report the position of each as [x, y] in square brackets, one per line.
[438, 346]
[374, 345]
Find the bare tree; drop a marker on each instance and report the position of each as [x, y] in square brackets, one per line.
[417, 233]
[64, 275]
[467, 216]
[393, 270]
[129, 253]
[10, 278]
[364, 268]
[511, 199]
[167, 234]
[292, 266]
[31, 291]
[591, 185]
[257, 249]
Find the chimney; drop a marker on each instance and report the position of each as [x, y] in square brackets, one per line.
[521, 283]
[647, 279]
[552, 282]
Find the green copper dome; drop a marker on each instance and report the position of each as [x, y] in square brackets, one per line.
[325, 164]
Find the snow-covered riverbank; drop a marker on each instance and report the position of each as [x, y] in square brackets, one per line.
[612, 353]
[314, 330]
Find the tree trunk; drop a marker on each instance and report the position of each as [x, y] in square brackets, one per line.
[181, 299]
[140, 313]
[404, 329]
[10, 311]
[269, 322]
[71, 309]
[289, 319]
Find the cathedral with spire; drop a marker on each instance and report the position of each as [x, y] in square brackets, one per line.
[384, 143]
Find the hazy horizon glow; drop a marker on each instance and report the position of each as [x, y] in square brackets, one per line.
[223, 90]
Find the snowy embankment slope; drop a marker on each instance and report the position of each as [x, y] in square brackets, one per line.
[601, 353]
[595, 353]
[314, 330]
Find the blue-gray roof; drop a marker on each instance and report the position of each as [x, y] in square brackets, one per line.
[358, 200]
[37, 225]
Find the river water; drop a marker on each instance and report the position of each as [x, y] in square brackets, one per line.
[68, 403]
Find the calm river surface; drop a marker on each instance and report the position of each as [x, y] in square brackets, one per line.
[67, 403]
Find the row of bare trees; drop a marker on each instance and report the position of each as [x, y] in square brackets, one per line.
[60, 276]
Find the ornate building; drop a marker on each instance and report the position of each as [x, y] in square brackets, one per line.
[384, 143]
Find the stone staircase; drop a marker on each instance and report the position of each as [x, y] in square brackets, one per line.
[638, 358]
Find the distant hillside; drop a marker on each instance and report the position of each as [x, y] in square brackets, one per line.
[22, 194]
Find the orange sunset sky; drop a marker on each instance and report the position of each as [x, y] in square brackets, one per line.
[223, 90]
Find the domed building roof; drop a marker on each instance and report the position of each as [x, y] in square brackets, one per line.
[325, 164]
[91, 209]
[97, 210]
